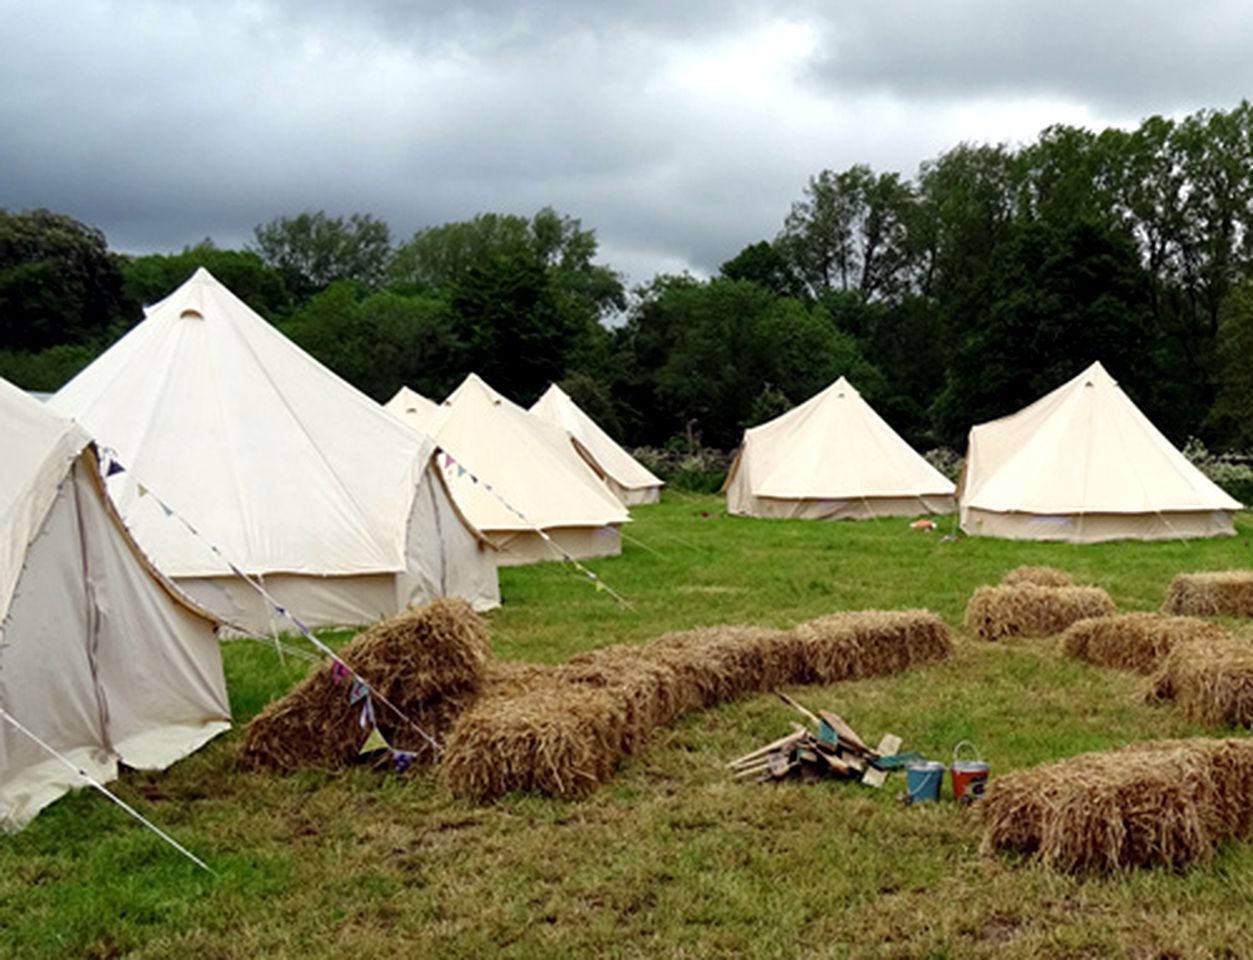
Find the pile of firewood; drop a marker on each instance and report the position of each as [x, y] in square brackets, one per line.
[831, 748]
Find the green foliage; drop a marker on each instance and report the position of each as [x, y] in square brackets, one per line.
[1231, 417]
[380, 341]
[45, 370]
[150, 278]
[1232, 472]
[312, 250]
[59, 283]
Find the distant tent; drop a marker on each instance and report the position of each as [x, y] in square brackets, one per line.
[629, 480]
[832, 458]
[413, 408]
[1083, 464]
[99, 657]
[297, 477]
[502, 461]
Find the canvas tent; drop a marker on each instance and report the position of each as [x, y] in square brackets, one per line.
[413, 408]
[832, 458]
[1083, 464]
[99, 657]
[629, 480]
[531, 468]
[297, 477]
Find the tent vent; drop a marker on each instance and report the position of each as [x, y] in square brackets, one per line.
[190, 314]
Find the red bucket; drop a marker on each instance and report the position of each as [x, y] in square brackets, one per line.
[970, 777]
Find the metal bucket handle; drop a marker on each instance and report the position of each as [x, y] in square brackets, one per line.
[966, 743]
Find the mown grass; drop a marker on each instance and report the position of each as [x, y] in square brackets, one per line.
[671, 858]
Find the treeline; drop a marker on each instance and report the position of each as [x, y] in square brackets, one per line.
[950, 298]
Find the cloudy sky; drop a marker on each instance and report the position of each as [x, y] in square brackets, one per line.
[680, 130]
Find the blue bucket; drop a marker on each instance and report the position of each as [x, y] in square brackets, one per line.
[923, 779]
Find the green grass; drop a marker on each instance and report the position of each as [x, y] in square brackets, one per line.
[670, 858]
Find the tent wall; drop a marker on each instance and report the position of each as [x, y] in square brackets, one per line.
[524, 546]
[1098, 527]
[634, 496]
[99, 661]
[865, 508]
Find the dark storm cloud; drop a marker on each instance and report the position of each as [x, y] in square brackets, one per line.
[1130, 59]
[679, 132]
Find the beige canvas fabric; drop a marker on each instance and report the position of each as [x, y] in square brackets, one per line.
[285, 467]
[1083, 464]
[512, 474]
[630, 481]
[832, 458]
[413, 408]
[98, 657]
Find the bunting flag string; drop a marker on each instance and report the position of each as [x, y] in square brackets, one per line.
[97, 785]
[360, 688]
[600, 585]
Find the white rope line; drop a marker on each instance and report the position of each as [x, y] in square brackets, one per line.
[96, 784]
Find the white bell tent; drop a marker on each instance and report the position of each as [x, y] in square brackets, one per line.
[100, 658]
[513, 475]
[832, 458]
[630, 481]
[296, 476]
[1084, 464]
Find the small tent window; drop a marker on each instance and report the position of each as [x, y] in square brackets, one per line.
[190, 314]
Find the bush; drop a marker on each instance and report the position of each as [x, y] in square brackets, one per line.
[695, 470]
[947, 460]
[1231, 471]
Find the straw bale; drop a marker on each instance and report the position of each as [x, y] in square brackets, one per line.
[1211, 681]
[562, 730]
[1134, 641]
[1165, 802]
[1041, 576]
[869, 643]
[1217, 593]
[429, 662]
[1030, 610]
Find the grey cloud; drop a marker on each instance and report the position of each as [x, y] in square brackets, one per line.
[1131, 59]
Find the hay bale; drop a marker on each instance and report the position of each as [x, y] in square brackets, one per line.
[868, 643]
[1030, 610]
[1217, 593]
[1134, 641]
[429, 662]
[1166, 802]
[1041, 576]
[1210, 680]
[563, 730]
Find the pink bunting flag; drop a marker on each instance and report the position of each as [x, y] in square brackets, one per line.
[339, 672]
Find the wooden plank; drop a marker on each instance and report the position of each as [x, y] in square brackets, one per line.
[847, 733]
[779, 744]
[888, 746]
[811, 717]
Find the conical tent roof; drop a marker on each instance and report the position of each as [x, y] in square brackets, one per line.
[285, 465]
[1085, 450]
[833, 456]
[635, 481]
[286, 468]
[413, 408]
[102, 660]
[530, 465]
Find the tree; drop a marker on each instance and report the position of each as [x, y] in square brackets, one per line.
[1054, 300]
[439, 258]
[58, 281]
[1231, 418]
[510, 317]
[380, 341]
[764, 264]
[313, 250]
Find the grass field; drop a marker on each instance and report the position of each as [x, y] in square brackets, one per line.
[671, 858]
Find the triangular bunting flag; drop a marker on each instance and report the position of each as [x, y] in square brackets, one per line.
[374, 742]
[143, 491]
[367, 713]
[358, 691]
[339, 672]
[402, 760]
[114, 468]
[461, 471]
